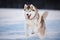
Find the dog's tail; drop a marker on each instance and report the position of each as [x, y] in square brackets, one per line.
[44, 15]
[42, 20]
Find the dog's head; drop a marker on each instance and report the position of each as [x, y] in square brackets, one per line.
[30, 11]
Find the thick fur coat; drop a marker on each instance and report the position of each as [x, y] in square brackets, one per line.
[34, 21]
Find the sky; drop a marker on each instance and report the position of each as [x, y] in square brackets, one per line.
[12, 23]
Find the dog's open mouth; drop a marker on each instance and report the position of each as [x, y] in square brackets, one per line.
[29, 16]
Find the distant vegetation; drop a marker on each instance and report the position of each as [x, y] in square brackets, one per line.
[41, 4]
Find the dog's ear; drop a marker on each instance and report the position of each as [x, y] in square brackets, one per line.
[25, 6]
[32, 6]
[44, 15]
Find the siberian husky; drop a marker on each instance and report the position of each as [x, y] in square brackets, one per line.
[34, 20]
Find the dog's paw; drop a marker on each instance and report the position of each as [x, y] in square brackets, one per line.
[32, 32]
[27, 35]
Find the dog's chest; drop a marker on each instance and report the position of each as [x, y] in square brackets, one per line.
[32, 23]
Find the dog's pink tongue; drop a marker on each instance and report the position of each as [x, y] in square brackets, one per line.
[28, 17]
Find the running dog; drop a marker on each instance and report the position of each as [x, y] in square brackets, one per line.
[34, 21]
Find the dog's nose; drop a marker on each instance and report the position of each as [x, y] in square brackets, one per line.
[27, 14]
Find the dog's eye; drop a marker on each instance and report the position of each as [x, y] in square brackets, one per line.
[33, 10]
[25, 10]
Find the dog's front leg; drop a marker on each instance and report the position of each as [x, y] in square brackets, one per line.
[26, 31]
[32, 30]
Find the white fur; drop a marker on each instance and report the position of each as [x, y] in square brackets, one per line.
[34, 24]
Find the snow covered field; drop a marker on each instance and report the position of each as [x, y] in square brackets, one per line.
[12, 25]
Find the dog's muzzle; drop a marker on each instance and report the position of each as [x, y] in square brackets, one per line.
[28, 16]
